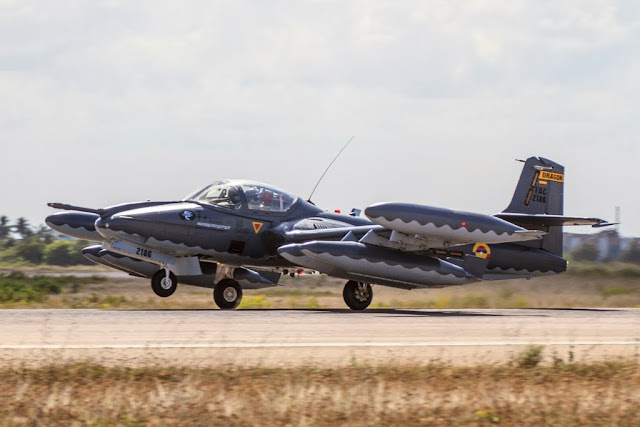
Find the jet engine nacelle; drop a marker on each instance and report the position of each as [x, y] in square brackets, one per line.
[447, 225]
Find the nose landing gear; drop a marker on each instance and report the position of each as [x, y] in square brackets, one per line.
[164, 284]
[357, 295]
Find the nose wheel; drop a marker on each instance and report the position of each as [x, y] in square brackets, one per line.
[357, 295]
[227, 294]
[164, 284]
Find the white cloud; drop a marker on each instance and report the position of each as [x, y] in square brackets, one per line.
[103, 102]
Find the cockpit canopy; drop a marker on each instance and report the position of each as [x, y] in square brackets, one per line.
[236, 194]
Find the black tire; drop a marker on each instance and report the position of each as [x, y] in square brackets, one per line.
[357, 295]
[161, 287]
[227, 294]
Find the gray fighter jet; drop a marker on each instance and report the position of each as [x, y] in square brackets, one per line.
[236, 234]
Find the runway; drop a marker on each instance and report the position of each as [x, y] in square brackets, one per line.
[318, 337]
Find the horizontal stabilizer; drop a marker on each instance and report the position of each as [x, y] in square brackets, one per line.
[605, 224]
[551, 220]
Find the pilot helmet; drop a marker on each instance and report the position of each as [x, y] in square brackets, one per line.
[234, 196]
[266, 196]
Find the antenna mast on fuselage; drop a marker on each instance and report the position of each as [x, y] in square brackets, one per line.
[328, 167]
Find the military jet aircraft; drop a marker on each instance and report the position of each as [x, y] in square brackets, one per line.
[236, 234]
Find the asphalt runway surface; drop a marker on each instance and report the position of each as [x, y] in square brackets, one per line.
[327, 337]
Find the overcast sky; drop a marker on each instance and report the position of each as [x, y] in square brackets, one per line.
[103, 102]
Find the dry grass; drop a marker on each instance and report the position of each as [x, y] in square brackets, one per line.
[565, 394]
[319, 291]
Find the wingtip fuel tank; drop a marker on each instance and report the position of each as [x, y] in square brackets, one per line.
[80, 225]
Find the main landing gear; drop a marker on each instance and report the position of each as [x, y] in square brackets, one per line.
[357, 295]
[227, 294]
[164, 284]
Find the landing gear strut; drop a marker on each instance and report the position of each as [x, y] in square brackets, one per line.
[357, 295]
[164, 284]
[227, 294]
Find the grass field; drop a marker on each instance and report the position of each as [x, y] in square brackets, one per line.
[522, 392]
[585, 286]
[515, 394]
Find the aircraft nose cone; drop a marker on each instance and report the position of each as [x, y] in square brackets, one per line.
[101, 223]
[111, 227]
[102, 227]
[132, 226]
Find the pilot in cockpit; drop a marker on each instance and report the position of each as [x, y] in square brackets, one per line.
[235, 199]
[266, 197]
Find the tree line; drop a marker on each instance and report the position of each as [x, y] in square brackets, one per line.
[588, 251]
[23, 244]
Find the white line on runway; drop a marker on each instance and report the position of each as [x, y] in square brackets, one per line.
[305, 345]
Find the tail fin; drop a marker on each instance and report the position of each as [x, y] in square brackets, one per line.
[540, 190]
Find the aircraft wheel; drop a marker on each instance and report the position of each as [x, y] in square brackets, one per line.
[227, 294]
[357, 295]
[163, 287]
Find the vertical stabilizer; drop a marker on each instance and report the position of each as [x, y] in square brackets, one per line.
[540, 191]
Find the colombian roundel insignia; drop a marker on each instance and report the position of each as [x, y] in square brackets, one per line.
[482, 250]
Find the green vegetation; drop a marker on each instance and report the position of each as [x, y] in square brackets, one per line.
[530, 357]
[587, 251]
[632, 254]
[21, 245]
[255, 301]
[35, 251]
[604, 269]
[611, 291]
[436, 394]
[17, 287]
[284, 292]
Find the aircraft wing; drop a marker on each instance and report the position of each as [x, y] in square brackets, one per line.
[410, 227]
[388, 251]
[419, 227]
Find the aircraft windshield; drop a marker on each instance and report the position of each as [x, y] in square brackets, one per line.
[253, 195]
